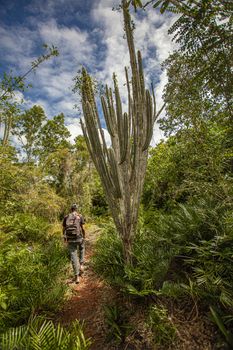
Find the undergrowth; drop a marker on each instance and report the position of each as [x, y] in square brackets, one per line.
[185, 254]
[32, 270]
[40, 333]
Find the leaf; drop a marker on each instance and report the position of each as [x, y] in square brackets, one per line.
[221, 326]
[3, 305]
[164, 6]
[137, 3]
[157, 3]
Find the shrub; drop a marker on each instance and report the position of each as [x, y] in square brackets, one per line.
[117, 326]
[193, 245]
[161, 325]
[212, 270]
[25, 227]
[151, 255]
[32, 280]
[24, 189]
[42, 334]
[108, 258]
[41, 200]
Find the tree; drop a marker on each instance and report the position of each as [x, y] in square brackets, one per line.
[185, 168]
[204, 33]
[9, 84]
[189, 103]
[53, 136]
[27, 127]
[54, 152]
[8, 111]
[122, 166]
[81, 153]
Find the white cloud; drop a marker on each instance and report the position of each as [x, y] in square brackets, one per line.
[18, 97]
[74, 127]
[73, 43]
[107, 137]
[17, 44]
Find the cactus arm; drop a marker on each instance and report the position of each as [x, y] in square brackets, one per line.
[125, 137]
[107, 116]
[141, 76]
[122, 123]
[118, 108]
[88, 143]
[130, 41]
[149, 124]
[129, 93]
[114, 172]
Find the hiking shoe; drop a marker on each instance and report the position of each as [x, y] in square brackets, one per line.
[81, 269]
[76, 279]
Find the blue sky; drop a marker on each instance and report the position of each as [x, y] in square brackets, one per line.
[86, 32]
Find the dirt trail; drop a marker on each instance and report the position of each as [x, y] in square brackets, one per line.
[87, 299]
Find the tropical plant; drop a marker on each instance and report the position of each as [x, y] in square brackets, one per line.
[31, 278]
[211, 262]
[161, 324]
[108, 258]
[117, 326]
[148, 269]
[25, 227]
[219, 322]
[40, 334]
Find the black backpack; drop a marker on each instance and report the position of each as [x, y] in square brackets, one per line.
[73, 228]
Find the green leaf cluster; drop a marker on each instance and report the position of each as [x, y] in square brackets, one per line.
[41, 334]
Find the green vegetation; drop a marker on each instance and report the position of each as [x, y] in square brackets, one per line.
[42, 334]
[163, 329]
[117, 325]
[180, 255]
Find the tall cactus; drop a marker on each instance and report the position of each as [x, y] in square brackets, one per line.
[122, 166]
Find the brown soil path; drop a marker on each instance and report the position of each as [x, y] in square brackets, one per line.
[87, 299]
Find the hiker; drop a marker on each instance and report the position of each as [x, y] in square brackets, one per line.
[74, 235]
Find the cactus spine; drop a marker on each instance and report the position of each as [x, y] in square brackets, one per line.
[121, 167]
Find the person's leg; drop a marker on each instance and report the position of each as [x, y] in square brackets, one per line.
[74, 258]
[81, 254]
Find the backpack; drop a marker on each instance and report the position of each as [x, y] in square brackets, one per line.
[73, 228]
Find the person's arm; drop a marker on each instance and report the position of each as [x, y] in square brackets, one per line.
[64, 229]
[82, 228]
[83, 231]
